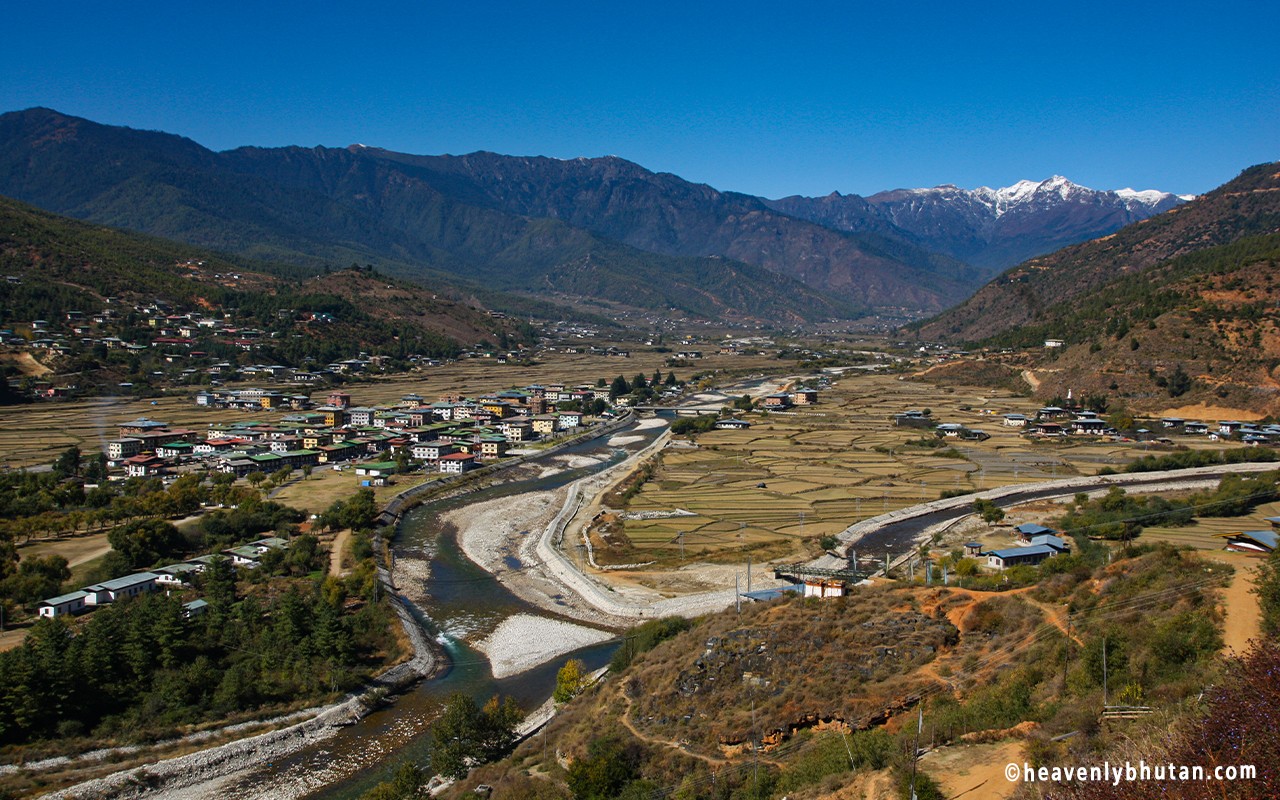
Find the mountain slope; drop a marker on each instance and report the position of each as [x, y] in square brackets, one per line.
[990, 228]
[62, 264]
[663, 213]
[523, 222]
[1246, 206]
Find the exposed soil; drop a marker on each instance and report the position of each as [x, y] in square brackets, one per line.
[1204, 411]
[26, 364]
[1243, 616]
[337, 552]
[974, 771]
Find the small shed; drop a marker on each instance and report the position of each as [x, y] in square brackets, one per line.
[1252, 541]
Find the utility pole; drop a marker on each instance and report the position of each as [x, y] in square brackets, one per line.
[844, 735]
[748, 574]
[1104, 672]
[755, 747]
[1066, 656]
[915, 753]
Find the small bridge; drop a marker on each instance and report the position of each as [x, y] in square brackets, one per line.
[801, 572]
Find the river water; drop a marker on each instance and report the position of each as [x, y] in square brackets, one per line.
[465, 603]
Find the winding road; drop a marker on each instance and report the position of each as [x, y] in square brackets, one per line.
[902, 530]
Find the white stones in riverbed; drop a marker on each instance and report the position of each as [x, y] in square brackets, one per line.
[524, 641]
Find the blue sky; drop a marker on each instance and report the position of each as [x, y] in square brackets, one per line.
[747, 96]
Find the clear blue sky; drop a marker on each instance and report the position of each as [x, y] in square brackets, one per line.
[759, 97]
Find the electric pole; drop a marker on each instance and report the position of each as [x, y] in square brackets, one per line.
[1104, 672]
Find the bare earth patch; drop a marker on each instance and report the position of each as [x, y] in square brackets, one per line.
[974, 772]
[1203, 411]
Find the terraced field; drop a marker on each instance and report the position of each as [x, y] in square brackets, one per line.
[773, 490]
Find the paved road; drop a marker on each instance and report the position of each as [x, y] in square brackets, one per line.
[901, 530]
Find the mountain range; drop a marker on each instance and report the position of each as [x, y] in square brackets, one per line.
[1182, 305]
[603, 229]
[989, 228]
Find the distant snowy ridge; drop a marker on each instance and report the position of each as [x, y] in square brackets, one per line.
[1051, 191]
[992, 229]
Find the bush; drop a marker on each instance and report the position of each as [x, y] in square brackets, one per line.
[687, 426]
[645, 637]
[607, 767]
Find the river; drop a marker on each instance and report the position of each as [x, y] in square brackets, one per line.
[465, 603]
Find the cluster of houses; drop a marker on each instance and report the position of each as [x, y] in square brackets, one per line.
[179, 336]
[945, 430]
[1053, 421]
[1035, 544]
[452, 435]
[167, 577]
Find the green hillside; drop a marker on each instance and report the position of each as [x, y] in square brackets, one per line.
[316, 207]
[54, 265]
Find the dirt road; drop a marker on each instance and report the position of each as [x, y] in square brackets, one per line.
[1243, 616]
[337, 551]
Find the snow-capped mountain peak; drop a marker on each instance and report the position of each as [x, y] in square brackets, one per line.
[991, 227]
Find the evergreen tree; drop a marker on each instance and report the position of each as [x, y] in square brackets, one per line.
[619, 387]
[1179, 382]
[465, 735]
[144, 542]
[68, 463]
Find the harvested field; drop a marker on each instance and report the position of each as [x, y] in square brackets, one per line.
[1203, 533]
[795, 476]
[316, 493]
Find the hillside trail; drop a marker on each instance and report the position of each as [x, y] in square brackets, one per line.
[336, 551]
[1243, 621]
[1055, 615]
[625, 717]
